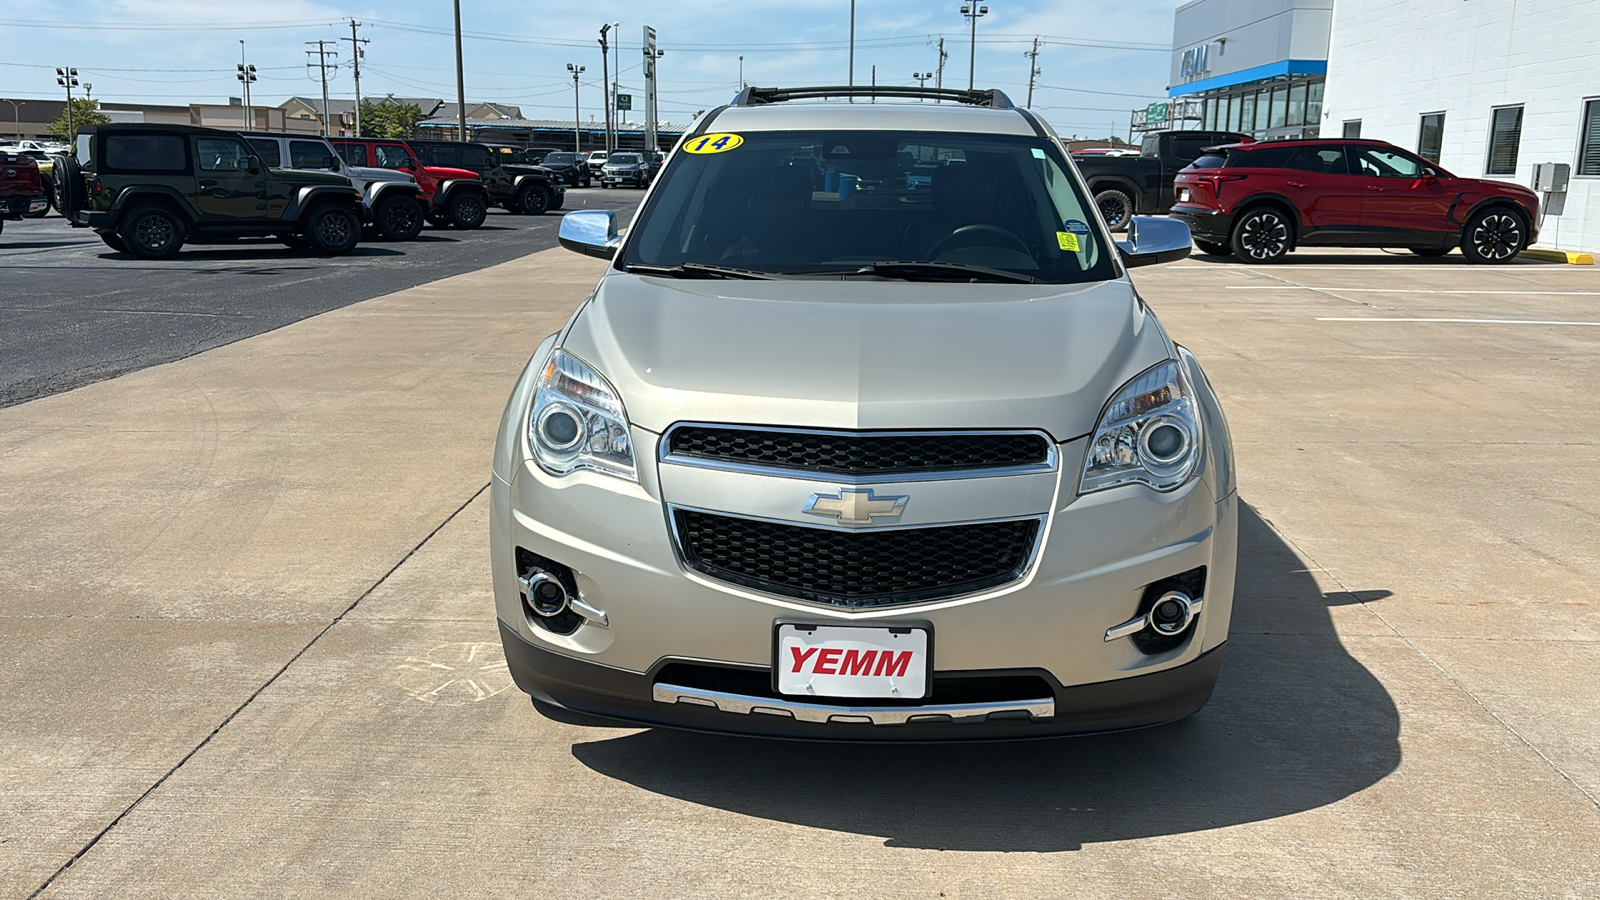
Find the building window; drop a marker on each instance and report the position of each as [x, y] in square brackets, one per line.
[1314, 104]
[1431, 137]
[1247, 113]
[1280, 101]
[1210, 122]
[1235, 105]
[1352, 128]
[1297, 104]
[1589, 150]
[1505, 134]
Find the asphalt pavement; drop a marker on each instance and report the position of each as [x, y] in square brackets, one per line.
[73, 311]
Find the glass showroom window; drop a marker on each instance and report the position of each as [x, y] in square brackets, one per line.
[1247, 116]
[1297, 104]
[1280, 102]
[1505, 134]
[1589, 150]
[1314, 104]
[1430, 140]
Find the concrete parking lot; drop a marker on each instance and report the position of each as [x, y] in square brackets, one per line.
[247, 642]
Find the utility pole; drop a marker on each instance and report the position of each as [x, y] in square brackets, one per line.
[356, 52]
[461, 83]
[605, 82]
[323, 53]
[577, 117]
[938, 74]
[973, 11]
[1033, 69]
[68, 78]
[852, 81]
[246, 74]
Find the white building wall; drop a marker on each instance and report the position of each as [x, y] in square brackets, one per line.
[1390, 62]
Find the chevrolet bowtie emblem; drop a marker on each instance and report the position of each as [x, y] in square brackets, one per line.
[855, 507]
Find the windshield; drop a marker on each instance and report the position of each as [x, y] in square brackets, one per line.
[795, 203]
[560, 159]
[624, 158]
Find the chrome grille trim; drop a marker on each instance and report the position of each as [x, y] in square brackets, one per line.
[667, 457]
[958, 713]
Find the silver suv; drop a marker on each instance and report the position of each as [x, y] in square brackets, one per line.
[865, 434]
[392, 199]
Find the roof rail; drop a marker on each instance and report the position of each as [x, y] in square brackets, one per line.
[757, 96]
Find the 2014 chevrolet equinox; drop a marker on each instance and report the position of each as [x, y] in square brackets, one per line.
[865, 434]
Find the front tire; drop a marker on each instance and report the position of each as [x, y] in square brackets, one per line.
[533, 201]
[398, 218]
[332, 230]
[1213, 248]
[1493, 236]
[467, 211]
[1116, 207]
[151, 231]
[1261, 235]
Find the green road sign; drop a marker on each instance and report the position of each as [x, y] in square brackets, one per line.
[1155, 114]
[625, 101]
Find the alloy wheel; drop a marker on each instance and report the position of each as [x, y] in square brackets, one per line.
[401, 218]
[1498, 236]
[1113, 208]
[154, 232]
[1264, 235]
[333, 230]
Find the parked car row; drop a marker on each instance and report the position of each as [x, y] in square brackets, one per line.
[149, 189]
[20, 186]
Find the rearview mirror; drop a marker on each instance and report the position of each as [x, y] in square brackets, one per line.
[592, 232]
[1153, 240]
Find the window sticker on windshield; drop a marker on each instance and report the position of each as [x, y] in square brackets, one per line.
[713, 143]
[1039, 154]
[1067, 240]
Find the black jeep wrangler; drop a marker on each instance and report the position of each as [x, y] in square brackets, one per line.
[524, 189]
[147, 189]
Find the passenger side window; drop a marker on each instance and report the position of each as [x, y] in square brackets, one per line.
[435, 155]
[1322, 160]
[1185, 149]
[478, 159]
[392, 156]
[1377, 163]
[267, 149]
[1266, 158]
[354, 154]
[221, 155]
[309, 155]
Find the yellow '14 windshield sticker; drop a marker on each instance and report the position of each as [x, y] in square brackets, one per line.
[1067, 240]
[713, 143]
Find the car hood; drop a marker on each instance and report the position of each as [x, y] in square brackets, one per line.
[894, 355]
[447, 172]
[366, 173]
[309, 176]
[520, 169]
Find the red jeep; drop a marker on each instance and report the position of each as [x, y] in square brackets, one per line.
[21, 189]
[454, 196]
[1259, 201]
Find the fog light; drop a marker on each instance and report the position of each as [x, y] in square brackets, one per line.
[546, 594]
[1172, 613]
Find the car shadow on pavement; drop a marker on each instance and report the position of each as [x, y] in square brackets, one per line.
[1296, 723]
[1351, 259]
[270, 252]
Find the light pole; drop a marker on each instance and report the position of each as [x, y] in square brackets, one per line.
[246, 73]
[605, 82]
[461, 82]
[616, 79]
[852, 43]
[974, 12]
[68, 78]
[577, 116]
[16, 114]
[741, 73]
[922, 78]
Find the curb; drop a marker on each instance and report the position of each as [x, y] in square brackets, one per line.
[1570, 257]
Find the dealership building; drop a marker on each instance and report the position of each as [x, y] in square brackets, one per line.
[1484, 88]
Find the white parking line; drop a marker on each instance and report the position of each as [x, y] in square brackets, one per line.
[1356, 290]
[1452, 321]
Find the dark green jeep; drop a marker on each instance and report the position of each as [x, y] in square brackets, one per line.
[146, 189]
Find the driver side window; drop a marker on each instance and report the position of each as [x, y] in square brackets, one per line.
[1387, 164]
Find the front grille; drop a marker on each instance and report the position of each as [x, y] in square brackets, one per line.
[857, 569]
[834, 453]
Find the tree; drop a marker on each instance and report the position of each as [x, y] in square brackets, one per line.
[84, 112]
[389, 120]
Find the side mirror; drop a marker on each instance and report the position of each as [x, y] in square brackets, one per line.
[592, 232]
[334, 163]
[1153, 240]
[254, 167]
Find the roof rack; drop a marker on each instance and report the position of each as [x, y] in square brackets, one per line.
[756, 96]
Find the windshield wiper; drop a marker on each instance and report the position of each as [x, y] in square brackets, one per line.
[699, 270]
[924, 270]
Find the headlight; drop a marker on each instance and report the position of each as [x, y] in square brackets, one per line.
[577, 421]
[1149, 434]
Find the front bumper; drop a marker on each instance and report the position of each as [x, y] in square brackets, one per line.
[1205, 224]
[1090, 572]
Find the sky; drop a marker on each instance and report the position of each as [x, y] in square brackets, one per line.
[1098, 61]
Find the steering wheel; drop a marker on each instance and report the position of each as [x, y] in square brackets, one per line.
[969, 232]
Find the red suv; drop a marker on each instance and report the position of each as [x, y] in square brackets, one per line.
[1259, 201]
[453, 196]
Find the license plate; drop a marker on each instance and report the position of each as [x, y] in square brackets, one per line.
[853, 661]
[1183, 194]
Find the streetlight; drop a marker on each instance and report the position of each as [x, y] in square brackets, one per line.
[605, 81]
[246, 74]
[974, 12]
[922, 78]
[16, 114]
[577, 117]
[68, 78]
